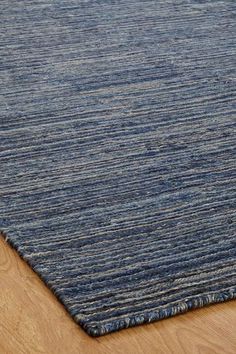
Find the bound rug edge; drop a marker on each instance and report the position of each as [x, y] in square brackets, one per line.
[96, 330]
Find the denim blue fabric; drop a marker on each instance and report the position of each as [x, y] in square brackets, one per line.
[117, 152]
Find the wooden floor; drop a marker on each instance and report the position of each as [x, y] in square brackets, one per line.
[33, 321]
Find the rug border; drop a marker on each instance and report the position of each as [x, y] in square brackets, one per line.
[134, 320]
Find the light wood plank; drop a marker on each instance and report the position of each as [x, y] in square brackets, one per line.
[33, 321]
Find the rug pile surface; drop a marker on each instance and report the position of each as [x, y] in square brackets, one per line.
[117, 153]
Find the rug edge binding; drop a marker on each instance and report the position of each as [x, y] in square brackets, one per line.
[98, 330]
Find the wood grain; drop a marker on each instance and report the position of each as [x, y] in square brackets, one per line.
[33, 321]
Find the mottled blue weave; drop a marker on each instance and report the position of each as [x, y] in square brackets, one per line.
[118, 153]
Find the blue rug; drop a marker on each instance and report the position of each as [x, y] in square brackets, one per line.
[118, 153]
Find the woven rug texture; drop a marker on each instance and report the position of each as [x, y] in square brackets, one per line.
[118, 153]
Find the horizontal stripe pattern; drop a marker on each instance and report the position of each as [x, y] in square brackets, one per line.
[117, 151]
